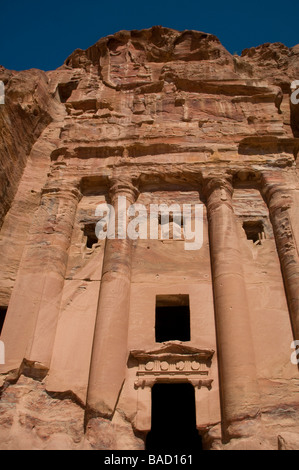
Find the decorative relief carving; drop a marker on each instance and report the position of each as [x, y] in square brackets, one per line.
[173, 362]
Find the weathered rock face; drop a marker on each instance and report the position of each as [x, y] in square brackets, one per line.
[160, 117]
[28, 110]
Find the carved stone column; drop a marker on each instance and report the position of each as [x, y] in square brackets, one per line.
[34, 306]
[279, 200]
[238, 380]
[110, 354]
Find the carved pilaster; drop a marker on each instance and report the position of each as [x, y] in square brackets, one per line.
[42, 268]
[109, 354]
[239, 391]
[279, 202]
[61, 202]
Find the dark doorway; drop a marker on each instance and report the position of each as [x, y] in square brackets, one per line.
[3, 311]
[173, 419]
[172, 318]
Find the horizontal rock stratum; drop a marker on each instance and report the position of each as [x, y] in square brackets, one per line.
[127, 344]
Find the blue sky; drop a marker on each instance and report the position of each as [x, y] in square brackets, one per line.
[42, 34]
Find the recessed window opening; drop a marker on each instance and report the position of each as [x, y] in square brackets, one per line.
[3, 311]
[65, 90]
[172, 318]
[173, 419]
[90, 232]
[254, 230]
[171, 226]
[176, 218]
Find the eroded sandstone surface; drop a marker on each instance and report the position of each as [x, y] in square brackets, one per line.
[161, 117]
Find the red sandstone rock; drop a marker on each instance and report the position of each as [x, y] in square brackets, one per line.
[158, 116]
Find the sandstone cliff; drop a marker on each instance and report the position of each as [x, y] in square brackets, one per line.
[162, 115]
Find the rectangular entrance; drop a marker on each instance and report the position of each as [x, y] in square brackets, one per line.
[173, 419]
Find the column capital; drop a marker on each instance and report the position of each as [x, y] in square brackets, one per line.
[218, 190]
[275, 192]
[122, 186]
[218, 182]
[62, 190]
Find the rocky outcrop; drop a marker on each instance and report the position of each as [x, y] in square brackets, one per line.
[29, 109]
[32, 419]
[276, 63]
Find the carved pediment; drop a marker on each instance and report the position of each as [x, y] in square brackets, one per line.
[173, 361]
[171, 349]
